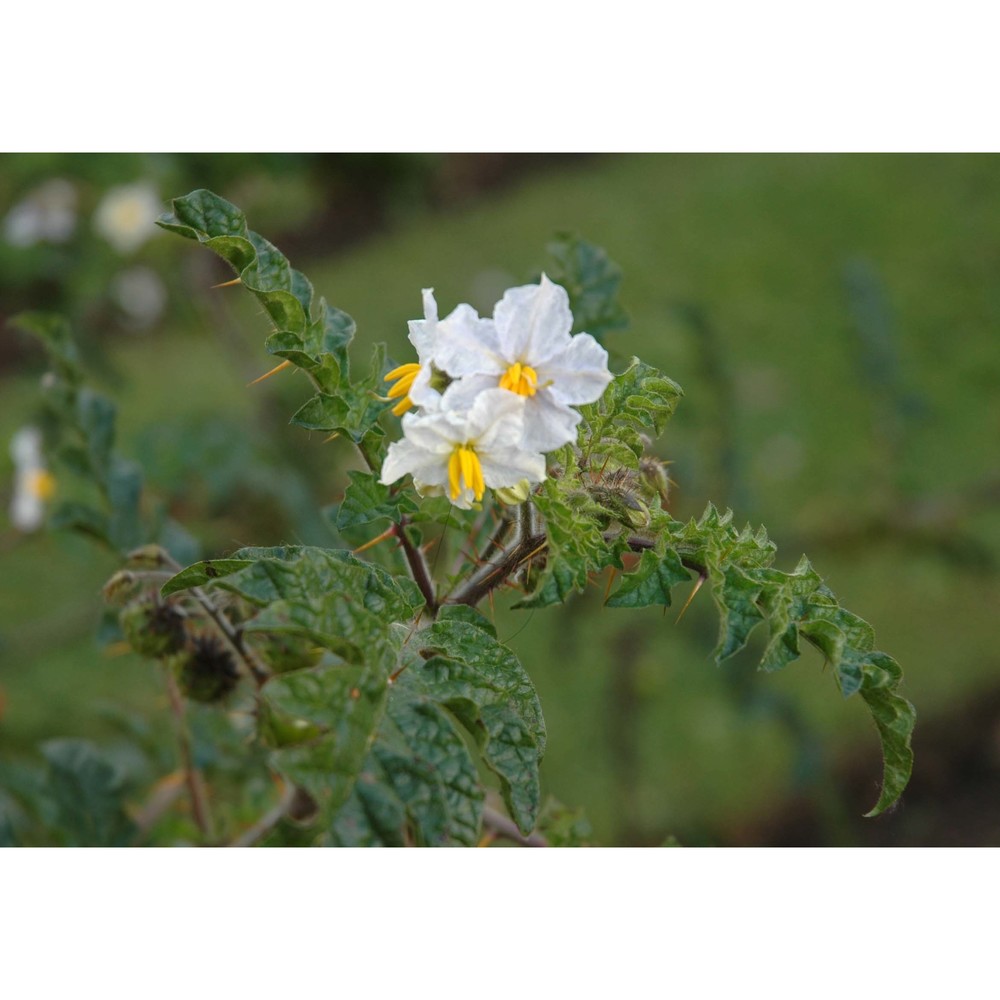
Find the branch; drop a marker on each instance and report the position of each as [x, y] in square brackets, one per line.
[196, 790]
[500, 826]
[270, 819]
[494, 573]
[418, 567]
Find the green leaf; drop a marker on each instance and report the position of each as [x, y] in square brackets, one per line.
[419, 784]
[366, 500]
[592, 280]
[482, 683]
[87, 792]
[651, 581]
[219, 225]
[749, 590]
[348, 702]
[638, 402]
[54, 333]
[79, 517]
[301, 573]
[575, 545]
[894, 718]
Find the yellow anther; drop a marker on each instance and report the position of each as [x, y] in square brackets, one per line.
[405, 374]
[42, 484]
[519, 378]
[465, 473]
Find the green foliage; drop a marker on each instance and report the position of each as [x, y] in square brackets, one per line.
[749, 591]
[383, 707]
[313, 336]
[591, 280]
[81, 432]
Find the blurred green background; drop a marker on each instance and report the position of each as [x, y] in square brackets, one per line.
[832, 318]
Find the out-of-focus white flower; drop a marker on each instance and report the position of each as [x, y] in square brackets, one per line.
[34, 485]
[526, 350]
[419, 383]
[140, 293]
[463, 452]
[126, 215]
[45, 215]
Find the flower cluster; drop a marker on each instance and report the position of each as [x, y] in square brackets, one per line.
[487, 398]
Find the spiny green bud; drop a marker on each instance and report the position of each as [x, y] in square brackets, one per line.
[121, 587]
[655, 478]
[513, 495]
[624, 503]
[153, 628]
[206, 670]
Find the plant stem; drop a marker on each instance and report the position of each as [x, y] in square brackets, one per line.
[501, 826]
[196, 790]
[269, 820]
[418, 568]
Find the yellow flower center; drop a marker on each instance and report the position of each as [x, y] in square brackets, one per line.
[522, 379]
[41, 484]
[405, 374]
[465, 472]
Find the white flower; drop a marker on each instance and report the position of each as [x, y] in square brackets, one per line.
[141, 294]
[416, 384]
[126, 215]
[47, 214]
[33, 483]
[465, 451]
[526, 350]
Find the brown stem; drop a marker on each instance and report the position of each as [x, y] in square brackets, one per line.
[196, 790]
[500, 826]
[494, 573]
[418, 568]
[270, 819]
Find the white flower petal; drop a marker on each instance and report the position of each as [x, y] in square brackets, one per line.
[496, 420]
[406, 457]
[548, 423]
[508, 466]
[533, 322]
[468, 345]
[423, 331]
[578, 373]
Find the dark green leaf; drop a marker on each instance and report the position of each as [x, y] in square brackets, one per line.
[481, 681]
[592, 280]
[651, 581]
[348, 702]
[366, 500]
[87, 792]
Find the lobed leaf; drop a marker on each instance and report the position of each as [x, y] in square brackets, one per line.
[591, 280]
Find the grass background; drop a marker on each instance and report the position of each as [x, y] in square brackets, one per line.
[888, 483]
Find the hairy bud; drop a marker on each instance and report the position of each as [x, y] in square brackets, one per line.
[206, 670]
[153, 628]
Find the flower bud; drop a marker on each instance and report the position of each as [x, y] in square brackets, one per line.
[513, 495]
[152, 628]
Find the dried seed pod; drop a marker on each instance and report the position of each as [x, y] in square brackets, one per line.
[206, 670]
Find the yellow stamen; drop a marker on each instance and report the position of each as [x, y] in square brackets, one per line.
[406, 374]
[41, 484]
[465, 473]
[520, 378]
[273, 371]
